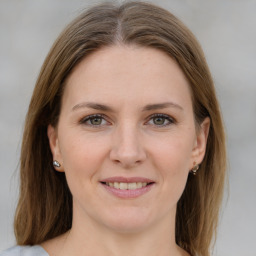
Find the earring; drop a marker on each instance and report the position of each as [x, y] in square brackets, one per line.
[195, 169]
[56, 164]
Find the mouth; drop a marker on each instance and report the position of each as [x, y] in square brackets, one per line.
[127, 187]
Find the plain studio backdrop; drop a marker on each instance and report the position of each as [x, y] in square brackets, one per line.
[226, 30]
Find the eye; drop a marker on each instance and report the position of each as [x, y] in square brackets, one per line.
[94, 120]
[161, 120]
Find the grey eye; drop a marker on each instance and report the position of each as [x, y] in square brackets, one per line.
[159, 120]
[95, 120]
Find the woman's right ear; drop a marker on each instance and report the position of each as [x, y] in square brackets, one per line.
[55, 149]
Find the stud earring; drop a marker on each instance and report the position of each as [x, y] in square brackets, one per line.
[195, 169]
[56, 164]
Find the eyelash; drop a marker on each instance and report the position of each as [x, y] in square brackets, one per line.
[90, 118]
[166, 117]
[103, 117]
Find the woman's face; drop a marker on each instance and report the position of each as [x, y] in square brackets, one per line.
[126, 138]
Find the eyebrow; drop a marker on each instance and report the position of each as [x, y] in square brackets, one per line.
[93, 105]
[101, 107]
[161, 106]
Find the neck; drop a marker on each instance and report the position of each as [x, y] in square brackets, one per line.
[90, 239]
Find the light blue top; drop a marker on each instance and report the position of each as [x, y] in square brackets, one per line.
[35, 250]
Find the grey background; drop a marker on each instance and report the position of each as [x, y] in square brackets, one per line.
[227, 32]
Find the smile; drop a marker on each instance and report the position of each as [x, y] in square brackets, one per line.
[127, 186]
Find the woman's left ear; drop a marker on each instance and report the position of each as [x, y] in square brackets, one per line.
[200, 142]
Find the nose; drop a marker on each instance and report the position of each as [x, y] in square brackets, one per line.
[127, 147]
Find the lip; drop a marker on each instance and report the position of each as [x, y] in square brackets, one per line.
[126, 193]
[127, 179]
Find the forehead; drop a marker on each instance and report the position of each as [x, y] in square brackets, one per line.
[127, 73]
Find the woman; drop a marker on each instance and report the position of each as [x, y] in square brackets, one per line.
[123, 150]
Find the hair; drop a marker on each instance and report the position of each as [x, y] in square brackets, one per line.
[44, 210]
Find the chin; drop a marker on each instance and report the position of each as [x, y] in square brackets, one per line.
[128, 221]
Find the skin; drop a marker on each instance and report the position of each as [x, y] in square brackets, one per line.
[127, 141]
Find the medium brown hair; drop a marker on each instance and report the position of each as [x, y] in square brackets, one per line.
[44, 210]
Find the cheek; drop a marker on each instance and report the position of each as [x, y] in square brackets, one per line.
[174, 154]
[82, 158]
[172, 160]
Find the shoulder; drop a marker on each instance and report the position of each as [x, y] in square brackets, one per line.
[35, 250]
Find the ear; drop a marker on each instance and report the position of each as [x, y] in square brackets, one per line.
[200, 142]
[54, 146]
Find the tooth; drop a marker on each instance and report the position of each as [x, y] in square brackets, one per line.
[123, 185]
[132, 186]
[116, 185]
[139, 185]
